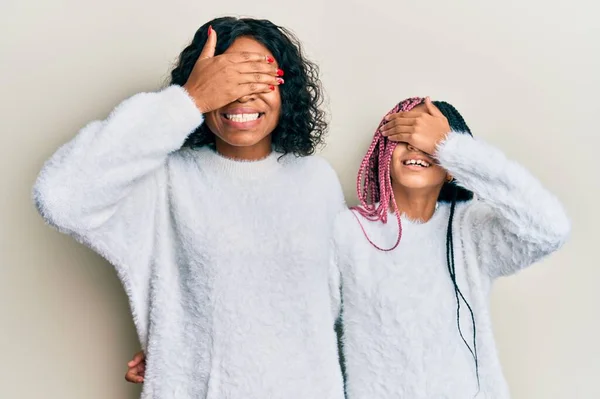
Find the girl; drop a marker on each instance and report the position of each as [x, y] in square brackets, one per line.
[206, 200]
[415, 292]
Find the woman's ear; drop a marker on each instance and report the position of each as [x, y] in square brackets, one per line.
[449, 177]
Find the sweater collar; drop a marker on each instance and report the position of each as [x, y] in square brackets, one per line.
[246, 170]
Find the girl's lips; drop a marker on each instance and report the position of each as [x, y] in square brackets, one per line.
[416, 168]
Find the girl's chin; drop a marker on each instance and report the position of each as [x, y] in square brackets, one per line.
[419, 184]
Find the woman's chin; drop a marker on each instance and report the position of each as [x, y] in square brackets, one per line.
[242, 139]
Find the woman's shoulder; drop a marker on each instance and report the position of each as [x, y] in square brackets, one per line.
[347, 228]
[316, 164]
[316, 172]
[345, 221]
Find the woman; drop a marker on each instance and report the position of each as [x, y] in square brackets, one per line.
[206, 200]
[415, 293]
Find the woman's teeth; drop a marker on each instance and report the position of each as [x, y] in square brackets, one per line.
[418, 162]
[242, 117]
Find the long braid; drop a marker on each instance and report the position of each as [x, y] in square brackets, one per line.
[457, 292]
[456, 193]
[374, 189]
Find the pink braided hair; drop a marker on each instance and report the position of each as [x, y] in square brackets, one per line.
[374, 189]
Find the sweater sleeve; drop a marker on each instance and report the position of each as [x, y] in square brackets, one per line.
[104, 185]
[514, 221]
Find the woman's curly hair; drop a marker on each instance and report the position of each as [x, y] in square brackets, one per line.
[302, 123]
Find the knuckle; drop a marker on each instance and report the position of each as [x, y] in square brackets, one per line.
[257, 77]
[253, 86]
[220, 61]
[245, 56]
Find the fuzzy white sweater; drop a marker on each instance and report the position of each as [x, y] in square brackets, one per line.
[399, 308]
[226, 264]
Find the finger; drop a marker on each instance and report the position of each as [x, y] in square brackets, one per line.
[407, 114]
[399, 129]
[208, 51]
[258, 67]
[254, 88]
[137, 359]
[246, 56]
[132, 377]
[401, 138]
[398, 122]
[260, 78]
[431, 108]
[131, 374]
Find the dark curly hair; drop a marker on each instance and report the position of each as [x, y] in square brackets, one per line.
[302, 123]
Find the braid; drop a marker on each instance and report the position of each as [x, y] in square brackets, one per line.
[456, 193]
[455, 119]
[458, 293]
[374, 189]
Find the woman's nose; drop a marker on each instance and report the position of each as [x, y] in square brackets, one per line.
[245, 99]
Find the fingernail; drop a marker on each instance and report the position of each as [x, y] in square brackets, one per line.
[280, 81]
[279, 72]
[270, 59]
[210, 30]
[272, 87]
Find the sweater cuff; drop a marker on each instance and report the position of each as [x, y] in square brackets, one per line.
[181, 109]
[450, 147]
[465, 157]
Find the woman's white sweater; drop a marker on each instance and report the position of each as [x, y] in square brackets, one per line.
[226, 263]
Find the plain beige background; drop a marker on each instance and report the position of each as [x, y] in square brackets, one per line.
[523, 73]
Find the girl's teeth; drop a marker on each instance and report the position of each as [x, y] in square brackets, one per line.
[417, 162]
[242, 117]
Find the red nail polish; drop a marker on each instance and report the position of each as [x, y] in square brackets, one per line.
[210, 30]
[279, 72]
[270, 59]
[272, 87]
[280, 81]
